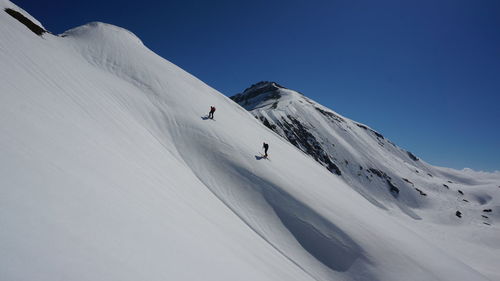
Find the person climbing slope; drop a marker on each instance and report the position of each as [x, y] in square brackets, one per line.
[211, 113]
[266, 147]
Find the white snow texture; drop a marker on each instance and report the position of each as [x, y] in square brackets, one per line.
[109, 171]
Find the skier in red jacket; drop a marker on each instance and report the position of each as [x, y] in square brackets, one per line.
[211, 113]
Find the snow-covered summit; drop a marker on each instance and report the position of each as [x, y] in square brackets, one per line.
[102, 33]
[110, 170]
[264, 94]
[382, 172]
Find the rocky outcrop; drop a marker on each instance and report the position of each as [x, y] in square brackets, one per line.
[298, 135]
[379, 135]
[393, 188]
[412, 157]
[421, 192]
[263, 87]
[38, 30]
[330, 115]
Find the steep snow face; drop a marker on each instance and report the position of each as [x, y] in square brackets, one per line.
[373, 165]
[383, 173]
[110, 170]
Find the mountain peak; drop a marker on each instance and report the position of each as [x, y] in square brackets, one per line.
[262, 85]
[102, 32]
[261, 94]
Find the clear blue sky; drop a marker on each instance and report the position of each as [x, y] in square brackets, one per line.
[424, 73]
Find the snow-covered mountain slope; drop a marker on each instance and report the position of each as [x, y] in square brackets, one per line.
[375, 167]
[109, 171]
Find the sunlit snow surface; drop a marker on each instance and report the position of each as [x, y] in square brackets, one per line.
[109, 171]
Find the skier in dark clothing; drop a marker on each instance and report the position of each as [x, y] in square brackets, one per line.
[266, 147]
[211, 113]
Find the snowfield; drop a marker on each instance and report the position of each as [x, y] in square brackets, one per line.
[109, 170]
